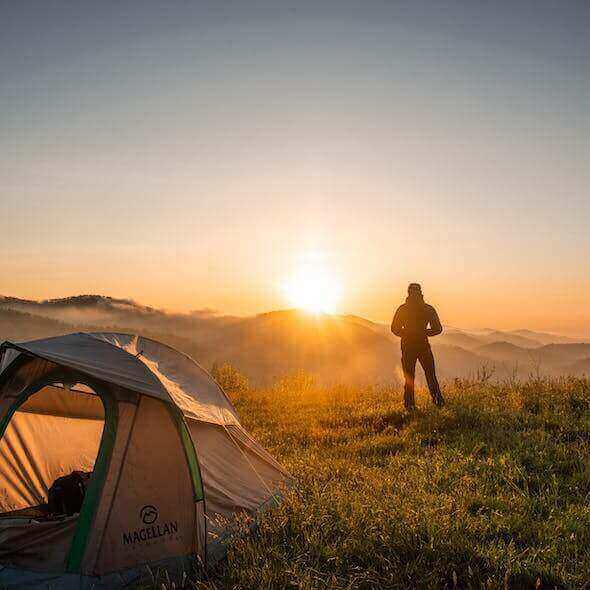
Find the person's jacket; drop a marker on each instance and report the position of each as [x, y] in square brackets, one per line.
[414, 321]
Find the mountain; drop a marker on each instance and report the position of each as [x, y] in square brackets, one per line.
[334, 348]
[511, 338]
[18, 326]
[549, 359]
[99, 310]
[265, 347]
[454, 361]
[546, 338]
[473, 339]
[579, 368]
[88, 307]
[505, 352]
[552, 354]
[455, 337]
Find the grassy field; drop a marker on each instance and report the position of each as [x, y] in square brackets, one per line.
[493, 491]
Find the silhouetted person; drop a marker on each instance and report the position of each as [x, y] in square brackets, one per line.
[414, 321]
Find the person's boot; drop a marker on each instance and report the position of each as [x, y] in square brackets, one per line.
[438, 399]
[409, 402]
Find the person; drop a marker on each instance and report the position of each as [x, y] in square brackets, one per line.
[414, 322]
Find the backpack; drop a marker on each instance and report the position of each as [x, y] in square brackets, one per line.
[66, 494]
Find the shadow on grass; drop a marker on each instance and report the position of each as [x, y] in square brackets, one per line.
[373, 423]
[465, 428]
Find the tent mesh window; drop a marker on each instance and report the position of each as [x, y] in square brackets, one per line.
[51, 433]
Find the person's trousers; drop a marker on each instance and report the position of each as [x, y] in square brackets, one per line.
[411, 353]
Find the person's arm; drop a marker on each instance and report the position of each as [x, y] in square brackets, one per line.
[435, 325]
[397, 326]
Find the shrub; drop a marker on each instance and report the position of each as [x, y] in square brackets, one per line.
[229, 378]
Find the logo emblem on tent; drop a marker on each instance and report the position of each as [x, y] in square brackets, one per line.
[148, 514]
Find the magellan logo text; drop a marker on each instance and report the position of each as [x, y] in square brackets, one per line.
[148, 516]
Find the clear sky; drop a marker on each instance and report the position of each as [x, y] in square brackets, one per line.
[191, 154]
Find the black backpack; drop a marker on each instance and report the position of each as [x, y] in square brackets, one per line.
[66, 494]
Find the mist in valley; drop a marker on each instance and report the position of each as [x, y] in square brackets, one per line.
[332, 348]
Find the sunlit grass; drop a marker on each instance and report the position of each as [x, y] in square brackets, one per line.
[490, 492]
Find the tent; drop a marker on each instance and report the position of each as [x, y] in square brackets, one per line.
[172, 469]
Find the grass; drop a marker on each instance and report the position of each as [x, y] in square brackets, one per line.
[493, 491]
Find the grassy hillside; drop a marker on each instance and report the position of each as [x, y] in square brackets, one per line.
[490, 492]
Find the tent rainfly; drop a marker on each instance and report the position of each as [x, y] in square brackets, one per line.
[169, 467]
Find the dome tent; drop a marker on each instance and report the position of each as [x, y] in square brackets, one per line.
[171, 465]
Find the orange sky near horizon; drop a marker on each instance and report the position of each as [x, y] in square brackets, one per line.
[477, 304]
[197, 155]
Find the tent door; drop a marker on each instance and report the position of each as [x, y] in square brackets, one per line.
[49, 431]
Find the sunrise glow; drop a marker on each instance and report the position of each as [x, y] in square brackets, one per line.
[313, 289]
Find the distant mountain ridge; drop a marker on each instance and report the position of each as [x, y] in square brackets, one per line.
[343, 348]
[94, 303]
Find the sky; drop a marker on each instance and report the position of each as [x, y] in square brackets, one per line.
[206, 154]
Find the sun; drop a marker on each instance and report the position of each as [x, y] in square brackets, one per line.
[313, 289]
